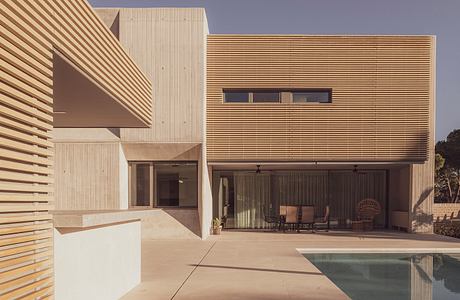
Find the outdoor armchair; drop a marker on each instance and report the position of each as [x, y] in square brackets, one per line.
[307, 217]
[323, 222]
[292, 217]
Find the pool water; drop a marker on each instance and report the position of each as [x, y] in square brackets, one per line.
[395, 276]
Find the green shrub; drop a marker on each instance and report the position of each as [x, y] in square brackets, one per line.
[447, 228]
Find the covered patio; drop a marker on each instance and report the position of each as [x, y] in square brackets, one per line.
[260, 265]
[247, 196]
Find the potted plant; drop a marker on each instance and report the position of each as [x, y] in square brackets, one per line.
[216, 226]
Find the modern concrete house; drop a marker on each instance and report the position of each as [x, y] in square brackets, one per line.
[149, 127]
[245, 123]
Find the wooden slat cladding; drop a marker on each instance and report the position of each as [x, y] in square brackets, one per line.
[33, 29]
[30, 32]
[380, 101]
[25, 161]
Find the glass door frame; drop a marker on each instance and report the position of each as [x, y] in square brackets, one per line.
[132, 189]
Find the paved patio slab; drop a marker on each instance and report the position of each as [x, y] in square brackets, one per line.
[257, 265]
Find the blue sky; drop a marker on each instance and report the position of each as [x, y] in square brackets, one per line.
[437, 17]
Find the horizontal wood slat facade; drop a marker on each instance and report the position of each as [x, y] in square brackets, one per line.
[72, 28]
[31, 31]
[381, 98]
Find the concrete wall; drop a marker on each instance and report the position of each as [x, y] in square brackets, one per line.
[123, 179]
[91, 169]
[98, 263]
[174, 223]
[169, 46]
[87, 175]
[445, 211]
[398, 193]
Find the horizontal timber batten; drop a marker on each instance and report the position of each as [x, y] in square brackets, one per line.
[33, 33]
[381, 98]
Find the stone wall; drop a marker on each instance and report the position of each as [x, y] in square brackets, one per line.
[445, 211]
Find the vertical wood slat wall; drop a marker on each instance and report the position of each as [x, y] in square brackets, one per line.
[30, 32]
[382, 94]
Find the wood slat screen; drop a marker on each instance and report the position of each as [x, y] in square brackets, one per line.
[30, 31]
[381, 95]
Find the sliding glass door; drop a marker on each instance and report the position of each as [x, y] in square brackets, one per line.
[141, 184]
[163, 184]
[259, 195]
[177, 184]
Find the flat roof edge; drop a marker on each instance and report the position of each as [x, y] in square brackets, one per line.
[317, 35]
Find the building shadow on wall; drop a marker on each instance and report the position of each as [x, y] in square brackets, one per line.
[420, 217]
[115, 131]
[186, 217]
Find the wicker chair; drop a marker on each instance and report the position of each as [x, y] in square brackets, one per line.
[366, 210]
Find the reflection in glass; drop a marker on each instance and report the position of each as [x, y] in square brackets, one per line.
[177, 184]
[304, 97]
[265, 97]
[236, 97]
[142, 182]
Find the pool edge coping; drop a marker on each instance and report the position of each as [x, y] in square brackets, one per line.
[378, 250]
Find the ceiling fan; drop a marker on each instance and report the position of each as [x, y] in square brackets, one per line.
[358, 172]
[259, 171]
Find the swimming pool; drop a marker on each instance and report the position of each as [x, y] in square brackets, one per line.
[394, 276]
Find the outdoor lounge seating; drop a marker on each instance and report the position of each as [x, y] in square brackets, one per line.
[300, 217]
[307, 217]
[366, 210]
[292, 217]
[271, 218]
[323, 222]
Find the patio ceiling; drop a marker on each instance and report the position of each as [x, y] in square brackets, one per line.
[81, 102]
[304, 166]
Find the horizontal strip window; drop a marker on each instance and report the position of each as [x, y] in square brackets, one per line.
[266, 97]
[312, 97]
[285, 96]
[236, 97]
[263, 96]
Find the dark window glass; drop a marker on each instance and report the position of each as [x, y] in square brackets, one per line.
[304, 97]
[266, 97]
[142, 185]
[236, 97]
[177, 184]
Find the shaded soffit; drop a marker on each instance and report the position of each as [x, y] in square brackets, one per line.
[80, 102]
[267, 166]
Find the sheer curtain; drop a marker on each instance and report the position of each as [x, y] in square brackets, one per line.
[302, 188]
[347, 189]
[257, 195]
[252, 199]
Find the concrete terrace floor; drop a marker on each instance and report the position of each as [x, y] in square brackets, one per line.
[256, 265]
